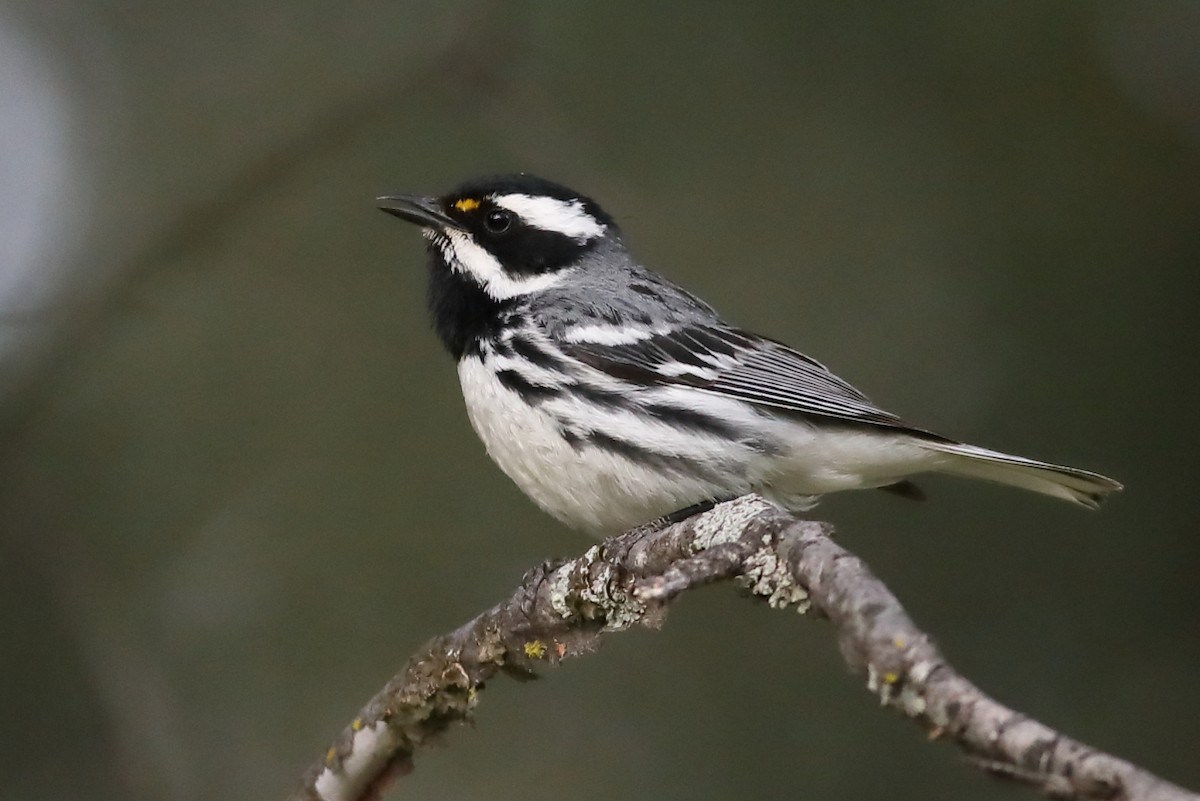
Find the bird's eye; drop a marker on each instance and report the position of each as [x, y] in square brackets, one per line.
[498, 221]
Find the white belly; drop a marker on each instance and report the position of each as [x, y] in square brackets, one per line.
[605, 492]
[582, 486]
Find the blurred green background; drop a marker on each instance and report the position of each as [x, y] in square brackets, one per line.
[238, 489]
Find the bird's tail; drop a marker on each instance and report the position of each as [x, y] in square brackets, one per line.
[1069, 483]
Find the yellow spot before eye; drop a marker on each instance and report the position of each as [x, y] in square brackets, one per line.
[466, 204]
[357, 724]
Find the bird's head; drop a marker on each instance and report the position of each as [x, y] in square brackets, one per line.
[510, 235]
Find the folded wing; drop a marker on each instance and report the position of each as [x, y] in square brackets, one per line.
[736, 364]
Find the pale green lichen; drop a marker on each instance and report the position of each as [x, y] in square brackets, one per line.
[768, 576]
[561, 590]
[620, 609]
[878, 684]
[911, 702]
[727, 521]
[604, 597]
[906, 693]
[369, 749]
[601, 597]
[915, 704]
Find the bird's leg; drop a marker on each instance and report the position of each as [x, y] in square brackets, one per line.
[678, 516]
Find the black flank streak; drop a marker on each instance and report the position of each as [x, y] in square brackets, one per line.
[535, 355]
[692, 420]
[645, 289]
[569, 436]
[600, 397]
[530, 393]
[635, 453]
[644, 456]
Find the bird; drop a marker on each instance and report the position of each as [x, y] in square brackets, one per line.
[613, 397]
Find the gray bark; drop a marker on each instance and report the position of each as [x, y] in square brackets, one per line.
[563, 610]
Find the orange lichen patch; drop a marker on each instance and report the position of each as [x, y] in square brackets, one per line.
[466, 204]
[560, 649]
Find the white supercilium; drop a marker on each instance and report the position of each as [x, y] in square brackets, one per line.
[566, 217]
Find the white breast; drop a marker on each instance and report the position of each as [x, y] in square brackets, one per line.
[604, 492]
[582, 486]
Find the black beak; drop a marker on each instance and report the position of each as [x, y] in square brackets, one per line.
[424, 211]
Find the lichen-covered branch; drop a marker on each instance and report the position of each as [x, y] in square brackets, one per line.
[563, 610]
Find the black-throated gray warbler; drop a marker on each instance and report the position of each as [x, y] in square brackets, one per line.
[612, 396]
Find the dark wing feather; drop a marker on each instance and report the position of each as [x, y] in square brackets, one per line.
[737, 364]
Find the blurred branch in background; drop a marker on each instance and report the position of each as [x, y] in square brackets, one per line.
[563, 610]
[215, 368]
[468, 61]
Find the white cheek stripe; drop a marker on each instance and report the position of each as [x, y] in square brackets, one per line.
[565, 217]
[467, 257]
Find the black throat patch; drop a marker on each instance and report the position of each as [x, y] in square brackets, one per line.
[463, 315]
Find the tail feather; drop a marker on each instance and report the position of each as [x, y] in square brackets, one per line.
[1069, 483]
